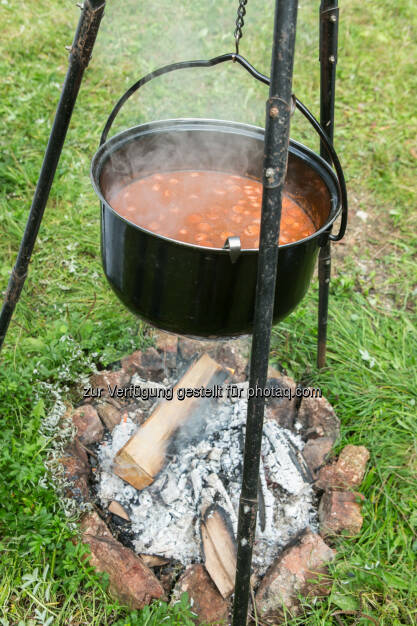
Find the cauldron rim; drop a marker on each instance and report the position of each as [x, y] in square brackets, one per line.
[183, 124]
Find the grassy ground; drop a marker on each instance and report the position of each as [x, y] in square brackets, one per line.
[67, 318]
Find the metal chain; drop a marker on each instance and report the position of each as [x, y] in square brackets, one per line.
[241, 12]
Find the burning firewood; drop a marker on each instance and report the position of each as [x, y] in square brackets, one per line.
[219, 549]
[143, 456]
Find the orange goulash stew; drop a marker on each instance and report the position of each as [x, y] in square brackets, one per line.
[205, 208]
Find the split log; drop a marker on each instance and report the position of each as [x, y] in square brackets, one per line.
[117, 509]
[219, 549]
[143, 456]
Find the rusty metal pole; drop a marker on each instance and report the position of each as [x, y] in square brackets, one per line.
[277, 129]
[329, 20]
[79, 57]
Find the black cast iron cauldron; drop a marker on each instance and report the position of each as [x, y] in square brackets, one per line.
[191, 289]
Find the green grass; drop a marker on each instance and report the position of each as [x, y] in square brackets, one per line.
[371, 382]
[68, 319]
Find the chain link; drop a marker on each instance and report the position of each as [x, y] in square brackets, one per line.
[241, 12]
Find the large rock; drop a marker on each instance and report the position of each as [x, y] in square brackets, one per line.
[230, 353]
[300, 570]
[88, 424]
[347, 472]
[282, 408]
[76, 471]
[234, 354]
[147, 364]
[318, 419]
[131, 581]
[206, 601]
[340, 511]
[167, 346]
[189, 348]
[102, 381]
[110, 415]
[93, 525]
[316, 452]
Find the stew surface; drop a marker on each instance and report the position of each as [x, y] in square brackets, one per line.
[205, 208]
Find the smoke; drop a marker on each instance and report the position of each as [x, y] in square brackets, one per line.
[172, 147]
[140, 37]
[137, 38]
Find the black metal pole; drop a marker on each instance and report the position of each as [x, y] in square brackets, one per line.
[80, 53]
[277, 126]
[329, 20]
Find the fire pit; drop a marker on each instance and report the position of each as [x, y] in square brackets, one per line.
[186, 514]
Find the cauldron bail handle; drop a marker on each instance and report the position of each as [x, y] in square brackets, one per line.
[336, 163]
[232, 244]
[237, 58]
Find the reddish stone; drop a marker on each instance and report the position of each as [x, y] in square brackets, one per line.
[132, 362]
[234, 354]
[347, 472]
[137, 415]
[77, 449]
[152, 367]
[188, 348]
[88, 424]
[282, 410]
[318, 418]
[340, 511]
[300, 570]
[110, 415]
[105, 379]
[147, 364]
[316, 452]
[167, 346]
[131, 581]
[204, 598]
[92, 524]
[352, 463]
[166, 342]
[76, 471]
[230, 353]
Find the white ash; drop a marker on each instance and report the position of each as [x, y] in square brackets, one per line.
[165, 517]
[110, 484]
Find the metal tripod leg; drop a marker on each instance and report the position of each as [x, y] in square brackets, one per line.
[79, 57]
[278, 110]
[329, 20]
